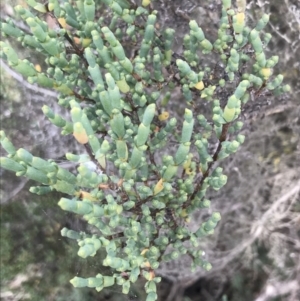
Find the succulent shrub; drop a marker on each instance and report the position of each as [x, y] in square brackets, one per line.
[154, 161]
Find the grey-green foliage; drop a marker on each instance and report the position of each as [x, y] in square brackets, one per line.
[140, 197]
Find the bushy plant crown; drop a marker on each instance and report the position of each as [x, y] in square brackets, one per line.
[154, 166]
